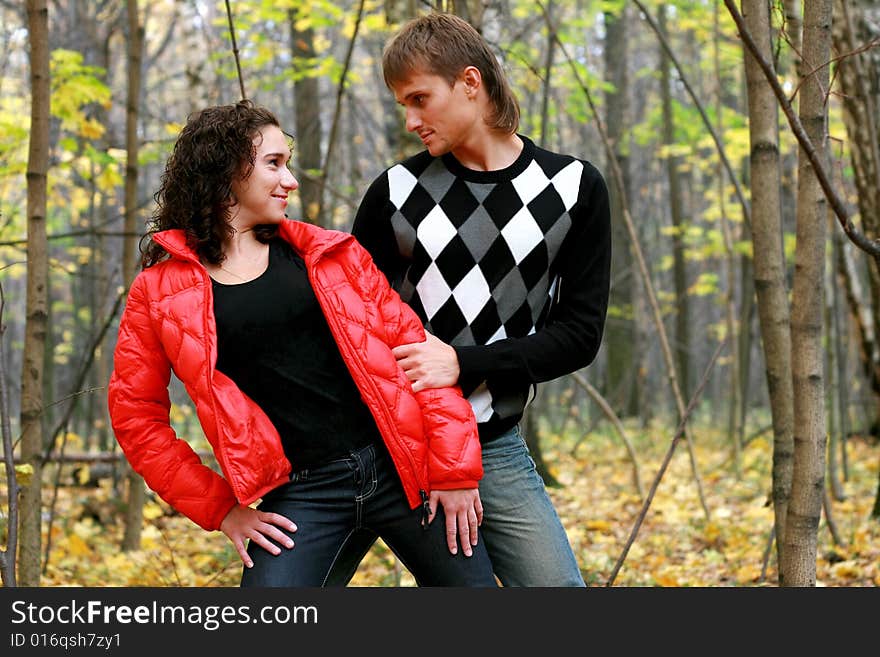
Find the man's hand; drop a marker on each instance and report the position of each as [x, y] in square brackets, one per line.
[428, 364]
[464, 512]
[243, 522]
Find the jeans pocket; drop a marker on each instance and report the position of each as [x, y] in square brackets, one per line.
[299, 476]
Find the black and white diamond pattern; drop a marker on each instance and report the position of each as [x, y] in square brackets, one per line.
[481, 252]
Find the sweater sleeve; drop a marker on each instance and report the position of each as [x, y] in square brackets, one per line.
[139, 407]
[571, 337]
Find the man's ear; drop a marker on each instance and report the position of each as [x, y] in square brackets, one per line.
[472, 79]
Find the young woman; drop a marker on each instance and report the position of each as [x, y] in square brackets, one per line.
[282, 333]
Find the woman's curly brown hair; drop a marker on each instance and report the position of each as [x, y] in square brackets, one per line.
[214, 148]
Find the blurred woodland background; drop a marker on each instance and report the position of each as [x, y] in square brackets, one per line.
[727, 433]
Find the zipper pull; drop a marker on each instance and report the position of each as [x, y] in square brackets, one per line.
[426, 509]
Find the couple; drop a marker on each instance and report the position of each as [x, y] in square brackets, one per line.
[317, 387]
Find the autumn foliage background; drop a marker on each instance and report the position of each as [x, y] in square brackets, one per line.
[676, 546]
[602, 65]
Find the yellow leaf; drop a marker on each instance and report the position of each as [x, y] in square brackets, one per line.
[152, 511]
[108, 179]
[77, 547]
[24, 472]
[72, 439]
[82, 475]
[846, 570]
[748, 574]
[666, 579]
[91, 129]
[599, 525]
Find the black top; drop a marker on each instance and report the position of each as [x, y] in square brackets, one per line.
[274, 343]
[510, 267]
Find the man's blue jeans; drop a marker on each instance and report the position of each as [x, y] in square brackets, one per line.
[352, 499]
[527, 543]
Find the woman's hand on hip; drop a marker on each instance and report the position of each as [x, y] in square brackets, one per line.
[243, 523]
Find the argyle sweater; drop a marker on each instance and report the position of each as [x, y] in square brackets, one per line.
[510, 267]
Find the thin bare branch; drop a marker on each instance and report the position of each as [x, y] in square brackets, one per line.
[679, 432]
[235, 50]
[618, 425]
[340, 92]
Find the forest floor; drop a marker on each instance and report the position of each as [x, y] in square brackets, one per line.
[676, 545]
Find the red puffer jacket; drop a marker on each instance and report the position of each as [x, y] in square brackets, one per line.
[168, 323]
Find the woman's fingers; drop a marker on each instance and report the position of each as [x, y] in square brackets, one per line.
[277, 519]
[472, 525]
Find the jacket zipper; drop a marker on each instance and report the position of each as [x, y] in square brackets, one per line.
[354, 358]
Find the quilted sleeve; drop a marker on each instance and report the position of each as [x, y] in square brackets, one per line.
[454, 453]
[139, 407]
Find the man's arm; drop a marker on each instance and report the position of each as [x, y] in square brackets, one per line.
[573, 333]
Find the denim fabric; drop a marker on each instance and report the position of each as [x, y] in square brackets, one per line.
[355, 499]
[527, 543]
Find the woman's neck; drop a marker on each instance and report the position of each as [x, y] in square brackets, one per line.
[246, 258]
[243, 244]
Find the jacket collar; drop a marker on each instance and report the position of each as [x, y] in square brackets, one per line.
[309, 240]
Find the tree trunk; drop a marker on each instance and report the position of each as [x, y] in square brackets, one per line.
[733, 416]
[808, 474]
[307, 116]
[134, 511]
[861, 314]
[769, 268]
[857, 23]
[469, 10]
[32, 438]
[793, 23]
[838, 339]
[8, 566]
[620, 332]
[673, 162]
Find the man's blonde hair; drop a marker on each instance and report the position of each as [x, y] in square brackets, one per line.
[444, 44]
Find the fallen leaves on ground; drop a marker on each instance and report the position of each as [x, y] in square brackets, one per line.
[677, 544]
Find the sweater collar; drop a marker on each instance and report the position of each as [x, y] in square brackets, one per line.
[511, 171]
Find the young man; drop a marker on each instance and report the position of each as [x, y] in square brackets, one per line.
[503, 249]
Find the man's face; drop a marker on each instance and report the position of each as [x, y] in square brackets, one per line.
[443, 116]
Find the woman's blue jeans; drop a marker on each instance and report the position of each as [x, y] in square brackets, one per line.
[350, 500]
[525, 538]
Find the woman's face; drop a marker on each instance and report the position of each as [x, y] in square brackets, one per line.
[261, 198]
